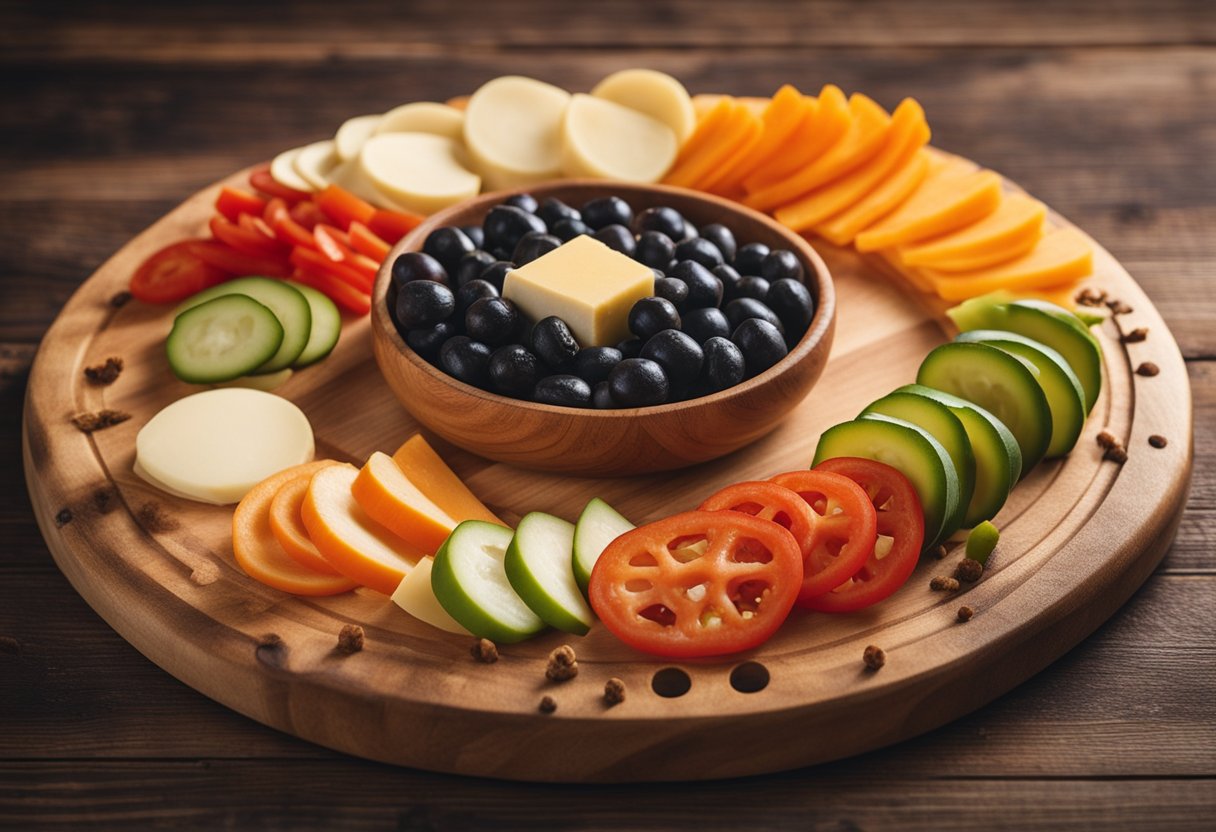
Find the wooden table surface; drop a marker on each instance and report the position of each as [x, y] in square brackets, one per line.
[111, 116]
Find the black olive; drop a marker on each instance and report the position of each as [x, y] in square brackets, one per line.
[447, 245]
[496, 273]
[655, 249]
[659, 274]
[749, 258]
[492, 321]
[553, 341]
[414, 265]
[424, 303]
[593, 364]
[781, 264]
[701, 250]
[471, 266]
[465, 359]
[552, 210]
[672, 289]
[638, 382]
[514, 371]
[740, 309]
[667, 221]
[618, 238]
[679, 356]
[703, 324]
[703, 288]
[476, 235]
[533, 246]
[567, 228]
[761, 344]
[690, 231]
[794, 305]
[502, 253]
[565, 390]
[471, 292]
[426, 342]
[752, 287]
[607, 210]
[652, 315]
[631, 347]
[730, 281]
[601, 396]
[724, 365]
[506, 224]
[723, 238]
[525, 202]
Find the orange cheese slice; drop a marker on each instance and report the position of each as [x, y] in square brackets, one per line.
[1061, 256]
[820, 128]
[392, 500]
[288, 526]
[944, 202]
[1009, 231]
[423, 467]
[728, 127]
[865, 138]
[756, 104]
[353, 543]
[704, 103]
[907, 135]
[778, 122]
[894, 190]
[741, 150]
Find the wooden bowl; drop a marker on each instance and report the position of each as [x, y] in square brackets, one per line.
[591, 442]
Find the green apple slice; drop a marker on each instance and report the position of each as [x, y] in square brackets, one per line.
[539, 565]
[471, 583]
[597, 526]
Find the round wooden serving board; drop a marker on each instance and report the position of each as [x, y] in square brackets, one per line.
[1079, 535]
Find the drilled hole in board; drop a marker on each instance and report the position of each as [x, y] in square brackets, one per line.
[671, 682]
[749, 677]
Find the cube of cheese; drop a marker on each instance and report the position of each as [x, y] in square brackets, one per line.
[588, 285]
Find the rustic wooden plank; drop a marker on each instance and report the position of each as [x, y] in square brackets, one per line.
[157, 32]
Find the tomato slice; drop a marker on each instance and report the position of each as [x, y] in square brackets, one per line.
[232, 202]
[174, 273]
[391, 226]
[365, 241]
[845, 530]
[343, 207]
[261, 180]
[236, 262]
[901, 530]
[701, 583]
[768, 501]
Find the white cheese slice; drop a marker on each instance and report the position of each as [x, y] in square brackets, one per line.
[314, 162]
[283, 171]
[350, 176]
[513, 128]
[605, 140]
[349, 139]
[415, 596]
[424, 117]
[419, 171]
[656, 94]
[216, 445]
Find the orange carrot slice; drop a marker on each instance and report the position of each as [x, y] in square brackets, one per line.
[893, 192]
[943, 203]
[1012, 229]
[392, 500]
[258, 552]
[288, 527]
[733, 125]
[436, 480]
[1062, 256]
[821, 128]
[778, 121]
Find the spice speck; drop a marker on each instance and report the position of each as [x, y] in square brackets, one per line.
[874, 657]
[614, 692]
[965, 613]
[547, 705]
[969, 570]
[484, 650]
[943, 584]
[1137, 335]
[1147, 368]
[350, 639]
[563, 665]
[1158, 441]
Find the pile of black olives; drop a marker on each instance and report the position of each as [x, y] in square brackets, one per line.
[721, 312]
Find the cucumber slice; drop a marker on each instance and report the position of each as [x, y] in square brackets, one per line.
[911, 450]
[998, 460]
[1051, 325]
[540, 567]
[287, 304]
[1005, 385]
[597, 526]
[1065, 396]
[946, 428]
[471, 584]
[326, 325]
[222, 339]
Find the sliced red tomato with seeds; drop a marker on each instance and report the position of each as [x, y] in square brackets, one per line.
[901, 533]
[768, 501]
[174, 273]
[845, 530]
[701, 583]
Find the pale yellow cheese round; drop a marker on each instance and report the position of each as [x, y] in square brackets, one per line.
[314, 162]
[423, 117]
[415, 596]
[604, 140]
[283, 171]
[216, 445]
[654, 93]
[513, 130]
[349, 139]
[349, 176]
[419, 171]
